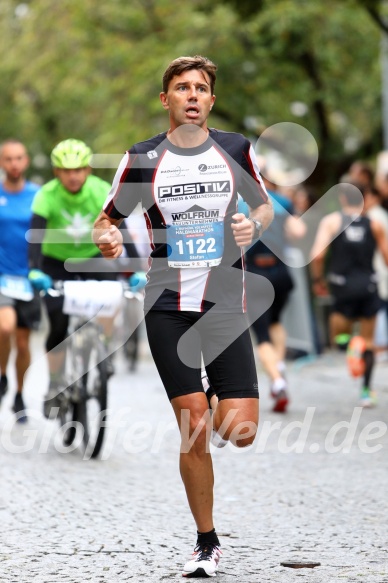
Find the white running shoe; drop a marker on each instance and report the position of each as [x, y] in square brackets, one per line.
[205, 561]
[217, 440]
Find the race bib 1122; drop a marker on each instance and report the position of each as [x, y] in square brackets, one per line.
[198, 245]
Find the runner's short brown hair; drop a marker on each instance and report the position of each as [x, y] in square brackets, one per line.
[182, 64]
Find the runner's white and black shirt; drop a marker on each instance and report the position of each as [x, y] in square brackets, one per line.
[189, 196]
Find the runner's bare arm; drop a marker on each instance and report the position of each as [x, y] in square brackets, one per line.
[327, 228]
[381, 239]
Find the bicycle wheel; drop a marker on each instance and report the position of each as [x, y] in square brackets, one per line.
[133, 316]
[69, 408]
[91, 408]
[70, 415]
[131, 350]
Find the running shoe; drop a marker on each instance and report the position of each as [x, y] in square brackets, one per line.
[19, 409]
[281, 401]
[368, 398]
[205, 561]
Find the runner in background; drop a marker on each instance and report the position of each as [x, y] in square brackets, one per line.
[349, 274]
[63, 213]
[264, 258]
[17, 316]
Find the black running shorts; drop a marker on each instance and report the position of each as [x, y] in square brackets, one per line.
[224, 342]
[356, 308]
[27, 313]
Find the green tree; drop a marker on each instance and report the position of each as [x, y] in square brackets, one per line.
[93, 70]
[324, 54]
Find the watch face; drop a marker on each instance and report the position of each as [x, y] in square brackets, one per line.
[258, 226]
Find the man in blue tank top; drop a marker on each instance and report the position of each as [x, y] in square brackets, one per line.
[19, 305]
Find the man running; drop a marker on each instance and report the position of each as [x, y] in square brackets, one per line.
[67, 205]
[19, 306]
[187, 180]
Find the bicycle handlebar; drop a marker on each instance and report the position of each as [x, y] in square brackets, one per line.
[58, 289]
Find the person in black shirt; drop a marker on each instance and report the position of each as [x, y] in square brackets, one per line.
[265, 258]
[348, 239]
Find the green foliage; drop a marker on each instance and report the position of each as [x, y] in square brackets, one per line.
[93, 70]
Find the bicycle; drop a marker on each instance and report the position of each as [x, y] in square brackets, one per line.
[83, 391]
[132, 315]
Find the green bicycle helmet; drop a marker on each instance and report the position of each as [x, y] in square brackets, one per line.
[71, 154]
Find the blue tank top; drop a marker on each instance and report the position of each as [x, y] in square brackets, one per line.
[15, 218]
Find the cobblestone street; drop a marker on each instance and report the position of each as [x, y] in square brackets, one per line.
[312, 487]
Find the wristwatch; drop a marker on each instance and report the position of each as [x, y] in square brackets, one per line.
[258, 228]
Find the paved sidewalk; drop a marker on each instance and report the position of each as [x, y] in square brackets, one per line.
[312, 487]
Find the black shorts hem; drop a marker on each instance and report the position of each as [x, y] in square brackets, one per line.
[183, 393]
[355, 309]
[238, 395]
[222, 396]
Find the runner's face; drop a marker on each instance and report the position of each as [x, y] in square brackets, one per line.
[72, 179]
[188, 99]
[14, 161]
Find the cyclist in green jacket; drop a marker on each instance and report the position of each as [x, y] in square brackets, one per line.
[64, 210]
